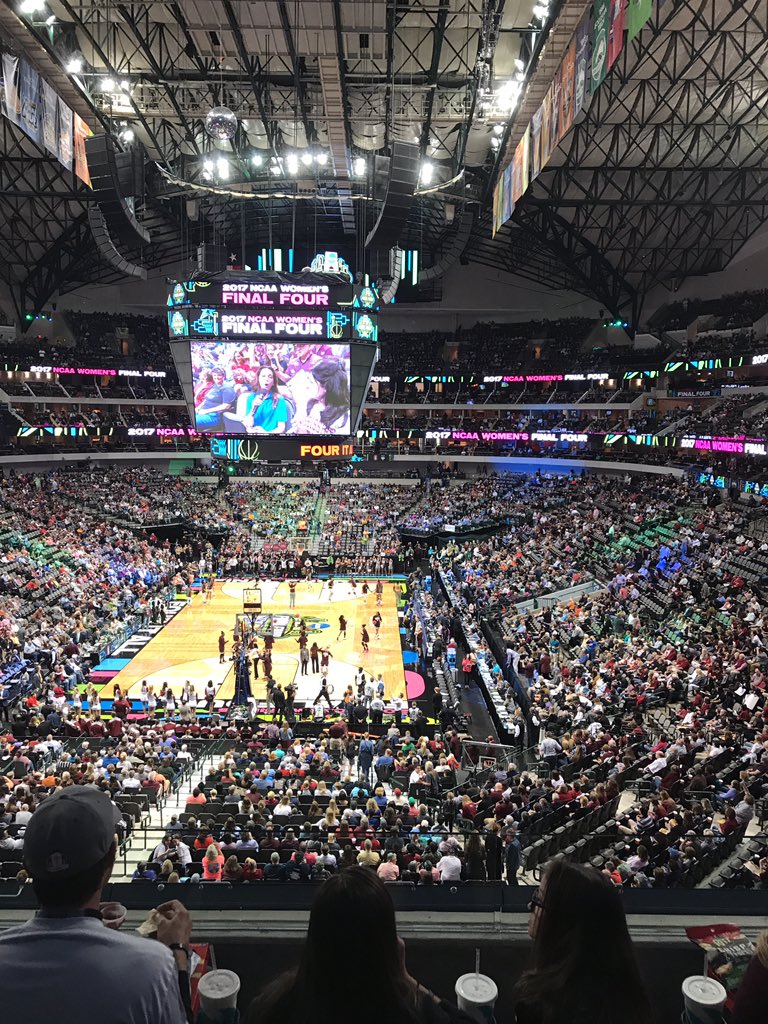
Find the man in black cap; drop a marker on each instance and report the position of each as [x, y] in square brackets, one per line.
[69, 850]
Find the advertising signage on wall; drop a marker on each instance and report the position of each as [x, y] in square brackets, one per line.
[84, 371]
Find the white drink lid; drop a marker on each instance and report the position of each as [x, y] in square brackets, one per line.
[219, 984]
[477, 988]
[704, 991]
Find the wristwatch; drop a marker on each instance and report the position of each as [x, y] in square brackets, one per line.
[182, 947]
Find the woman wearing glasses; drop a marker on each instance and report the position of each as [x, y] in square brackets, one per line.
[583, 968]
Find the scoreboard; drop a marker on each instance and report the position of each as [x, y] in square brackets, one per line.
[273, 307]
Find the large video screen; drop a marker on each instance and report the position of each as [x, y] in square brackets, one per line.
[271, 388]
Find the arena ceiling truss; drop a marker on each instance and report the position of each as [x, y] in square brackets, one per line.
[663, 177]
[660, 179]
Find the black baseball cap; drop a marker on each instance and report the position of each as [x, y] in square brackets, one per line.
[69, 833]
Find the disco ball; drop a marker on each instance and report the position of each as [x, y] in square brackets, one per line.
[221, 124]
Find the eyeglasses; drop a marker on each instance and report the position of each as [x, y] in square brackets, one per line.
[536, 901]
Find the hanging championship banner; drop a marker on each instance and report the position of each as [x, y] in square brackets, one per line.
[536, 144]
[65, 134]
[29, 96]
[616, 33]
[81, 132]
[555, 133]
[601, 27]
[567, 77]
[638, 13]
[582, 73]
[12, 104]
[546, 128]
[508, 204]
[50, 119]
[525, 142]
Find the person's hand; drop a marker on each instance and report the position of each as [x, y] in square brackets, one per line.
[174, 923]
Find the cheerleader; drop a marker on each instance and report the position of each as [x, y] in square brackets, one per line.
[144, 696]
[151, 702]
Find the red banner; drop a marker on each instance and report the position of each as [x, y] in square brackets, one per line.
[616, 30]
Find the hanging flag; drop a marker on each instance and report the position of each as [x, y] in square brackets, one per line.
[638, 13]
[567, 78]
[555, 133]
[65, 134]
[12, 104]
[508, 203]
[526, 162]
[497, 206]
[616, 32]
[29, 99]
[517, 172]
[601, 26]
[582, 74]
[50, 119]
[546, 128]
[81, 132]
[536, 144]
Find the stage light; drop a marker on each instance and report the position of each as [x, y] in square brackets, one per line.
[31, 6]
[498, 129]
[257, 160]
[359, 166]
[306, 158]
[519, 64]
[427, 170]
[127, 135]
[73, 66]
[292, 163]
[507, 96]
[222, 168]
[322, 159]
[208, 166]
[107, 85]
[541, 12]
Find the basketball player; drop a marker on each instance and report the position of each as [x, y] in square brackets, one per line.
[342, 628]
[379, 591]
[376, 620]
[222, 647]
[292, 593]
[330, 589]
[364, 639]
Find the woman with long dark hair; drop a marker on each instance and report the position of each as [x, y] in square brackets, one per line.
[333, 394]
[583, 968]
[358, 896]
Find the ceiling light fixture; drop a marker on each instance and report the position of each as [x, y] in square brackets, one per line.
[322, 159]
[427, 170]
[31, 6]
[292, 163]
[257, 160]
[107, 85]
[73, 66]
[306, 158]
[222, 168]
[359, 166]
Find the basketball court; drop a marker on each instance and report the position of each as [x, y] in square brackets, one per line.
[186, 648]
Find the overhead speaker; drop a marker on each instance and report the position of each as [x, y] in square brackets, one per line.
[398, 197]
[388, 285]
[107, 247]
[117, 178]
[212, 259]
[455, 250]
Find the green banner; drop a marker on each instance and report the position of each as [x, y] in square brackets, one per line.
[601, 25]
[639, 11]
